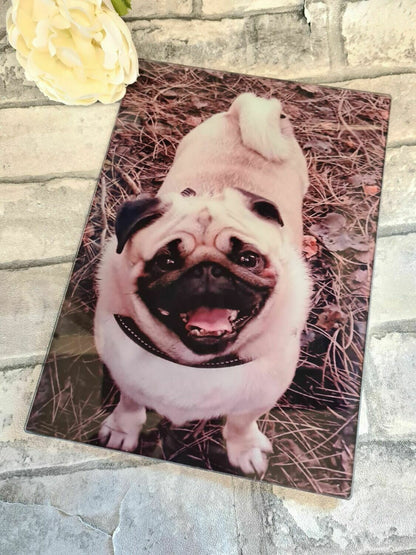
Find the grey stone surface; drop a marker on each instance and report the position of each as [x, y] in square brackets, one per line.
[394, 283]
[16, 391]
[43, 455]
[390, 386]
[54, 139]
[139, 507]
[47, 530]
[162, 508]
[398, 200]
[402, 124]
[13, 86]
[29, 300]
[4, 6]
[379, 517]
[29, 233]
[380, 32]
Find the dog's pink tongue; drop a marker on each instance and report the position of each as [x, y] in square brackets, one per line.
[209, 319]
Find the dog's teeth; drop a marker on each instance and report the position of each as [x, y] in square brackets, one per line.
[233, 315]
[163, 312]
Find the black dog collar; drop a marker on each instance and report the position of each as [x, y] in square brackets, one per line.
[130, 328]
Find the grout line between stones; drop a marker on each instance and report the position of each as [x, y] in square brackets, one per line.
[45, 178]
[36, 263]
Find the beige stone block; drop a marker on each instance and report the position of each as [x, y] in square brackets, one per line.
[281, 45]
[222, 8]
[28, 452]
[379, 517]
[14, 88]
[393, 297]
[164, 8]
[218, 44]
[287, 47]
[30, 301]
[391, 386]
[402, 89]
[41, 221]
[50, 140]
[380, 32]
[4, 6]
[16, 390]
[398, 199]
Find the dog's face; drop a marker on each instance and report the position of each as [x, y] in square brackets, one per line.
[204, 266]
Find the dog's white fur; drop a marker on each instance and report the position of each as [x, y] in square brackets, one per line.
[252, 148]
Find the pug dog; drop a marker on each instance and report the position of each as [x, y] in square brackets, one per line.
[203, 292]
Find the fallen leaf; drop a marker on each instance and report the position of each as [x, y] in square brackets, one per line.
[366, 257]
[310, 246]
[362, 179]
[359, 281]
[331, 317]
[370, 190]
[193, 120]
[332, 230]
[316, 144]
[307, 90]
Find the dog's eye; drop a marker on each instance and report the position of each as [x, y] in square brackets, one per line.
[166, 262]
[248, 259]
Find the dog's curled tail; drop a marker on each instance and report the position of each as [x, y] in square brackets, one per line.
[261, 126]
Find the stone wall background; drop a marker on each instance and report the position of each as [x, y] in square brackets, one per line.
[67, 498]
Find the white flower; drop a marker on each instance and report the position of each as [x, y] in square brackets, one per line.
[76, 51]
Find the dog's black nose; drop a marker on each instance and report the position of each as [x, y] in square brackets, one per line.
[216, 270]
[207, 270]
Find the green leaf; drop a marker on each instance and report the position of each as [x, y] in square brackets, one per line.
[121, 6]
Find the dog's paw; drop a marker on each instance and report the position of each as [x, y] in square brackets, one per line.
[249, 452]
[116, 435]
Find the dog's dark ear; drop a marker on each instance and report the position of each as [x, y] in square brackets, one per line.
[263, 207]
[134, 215]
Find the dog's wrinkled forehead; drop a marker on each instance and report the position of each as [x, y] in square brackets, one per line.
[192, 214]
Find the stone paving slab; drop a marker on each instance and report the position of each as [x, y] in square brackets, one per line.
[393, 296]
[164, 507]
[42, 221]
[379, 517]
[391, 386]
[54, 140]
[16, 391]
[398, 199]
[47, 530]
[29, 300]
[140, 506]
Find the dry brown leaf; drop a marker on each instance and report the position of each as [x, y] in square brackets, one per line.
[331, 317]
[333, 232]
[366, 257]
[371, 189]
[193, 120]
[318, 145]
[310, 246]
[359, 282]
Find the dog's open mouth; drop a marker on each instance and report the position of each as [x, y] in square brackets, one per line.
[207, 307]
[206, 329]
[205, 321]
